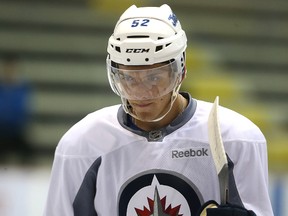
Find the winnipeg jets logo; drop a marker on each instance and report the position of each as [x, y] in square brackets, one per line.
[157, 207]
[159, 194]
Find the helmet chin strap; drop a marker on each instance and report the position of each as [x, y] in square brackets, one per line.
[128, 108]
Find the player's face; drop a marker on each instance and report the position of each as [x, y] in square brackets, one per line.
[144, 82]
[145, 86]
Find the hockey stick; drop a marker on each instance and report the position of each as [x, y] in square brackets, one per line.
[218, 151]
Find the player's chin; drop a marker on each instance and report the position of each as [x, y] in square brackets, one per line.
[143, 107]
[146, 116]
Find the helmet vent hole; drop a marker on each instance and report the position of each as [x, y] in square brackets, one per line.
[138, 36]
[158, 48]
[146, 59]
[117, 48]
[168, 44]
[128, 60]
[160, 38]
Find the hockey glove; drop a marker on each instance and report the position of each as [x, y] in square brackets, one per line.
[212, 208]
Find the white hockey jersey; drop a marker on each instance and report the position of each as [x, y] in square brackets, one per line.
[103, 167]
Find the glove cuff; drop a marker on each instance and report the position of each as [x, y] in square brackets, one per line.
[209, 204]
[212, 208]
[228, 210]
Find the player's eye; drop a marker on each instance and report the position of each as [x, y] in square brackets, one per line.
[153, 78]
[126, 78]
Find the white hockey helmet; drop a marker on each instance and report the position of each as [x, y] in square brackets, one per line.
[146, 36]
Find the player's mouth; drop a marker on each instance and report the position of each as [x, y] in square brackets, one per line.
[141, 105]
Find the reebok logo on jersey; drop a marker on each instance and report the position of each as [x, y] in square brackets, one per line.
[190, 153]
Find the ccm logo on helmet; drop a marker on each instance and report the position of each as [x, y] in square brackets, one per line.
[141, 50]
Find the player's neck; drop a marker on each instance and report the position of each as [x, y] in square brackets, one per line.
[178, 107]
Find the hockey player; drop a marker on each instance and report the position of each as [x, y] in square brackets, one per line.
[151, 155]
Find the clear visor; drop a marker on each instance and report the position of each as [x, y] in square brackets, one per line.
[144, 82]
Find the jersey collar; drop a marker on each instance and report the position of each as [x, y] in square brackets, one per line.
[125, 121]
